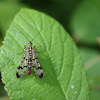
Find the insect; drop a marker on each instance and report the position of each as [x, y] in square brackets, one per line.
[30, 60]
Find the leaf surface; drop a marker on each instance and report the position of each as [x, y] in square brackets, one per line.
[91, 60]
[64, 75]
[7, 12]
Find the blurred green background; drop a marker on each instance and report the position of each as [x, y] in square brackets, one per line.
[80, 18]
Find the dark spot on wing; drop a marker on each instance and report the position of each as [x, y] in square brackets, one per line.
[36, 58]
[39, 68]
[17, 75]
[41, 75]
[20, 67]
[34, 66]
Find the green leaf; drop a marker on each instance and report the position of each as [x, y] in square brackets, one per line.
[2, 91]
[91, 60]
[4, 98]
[1, 39]
[64, 75]
[98, 39]
[88, 53]
[94, 95]
[7, 12]
[85, 22]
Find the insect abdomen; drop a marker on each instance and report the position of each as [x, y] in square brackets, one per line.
[29, 59]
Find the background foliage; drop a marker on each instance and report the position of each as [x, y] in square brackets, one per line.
[79, 17]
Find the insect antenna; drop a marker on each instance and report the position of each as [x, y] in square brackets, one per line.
[20, 31]
[39, 32]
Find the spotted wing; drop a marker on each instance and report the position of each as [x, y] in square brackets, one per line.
[36, 66]
[22, 66]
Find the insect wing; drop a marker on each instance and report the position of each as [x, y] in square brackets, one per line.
[36, 66]
[22, 66]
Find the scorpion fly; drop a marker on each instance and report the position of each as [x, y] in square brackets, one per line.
[30, 60]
